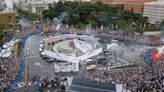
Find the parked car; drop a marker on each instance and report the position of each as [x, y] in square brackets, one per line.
[91, 67]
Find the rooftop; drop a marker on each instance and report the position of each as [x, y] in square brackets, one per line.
[6, 11]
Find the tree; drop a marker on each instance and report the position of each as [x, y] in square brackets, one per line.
[161, 26]
[157, 24]
[49, 14]
[123, 25]
[59, 8]
[98, 13]
[117, 8]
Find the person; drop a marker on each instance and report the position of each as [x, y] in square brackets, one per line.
[63, 88]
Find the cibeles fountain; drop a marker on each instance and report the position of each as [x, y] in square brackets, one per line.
[71, 47]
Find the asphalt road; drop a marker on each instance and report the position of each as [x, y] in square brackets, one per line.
[38, 66]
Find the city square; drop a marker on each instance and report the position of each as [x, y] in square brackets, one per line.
[51, 55]
[120, 55]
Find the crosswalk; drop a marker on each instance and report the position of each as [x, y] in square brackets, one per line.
[104, 68]
[22, 84]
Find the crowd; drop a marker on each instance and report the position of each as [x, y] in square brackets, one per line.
[53, 83]
[140, 79]
[9, 67]
[122, 36]
[138, 38]
[153, 40]
[8, 70]
[149, 79]
[143, 79]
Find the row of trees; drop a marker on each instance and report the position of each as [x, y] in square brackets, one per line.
[29, 14]
[81, 14]
[160, 26]
[98, 14]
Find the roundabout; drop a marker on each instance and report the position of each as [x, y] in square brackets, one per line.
[70, 47]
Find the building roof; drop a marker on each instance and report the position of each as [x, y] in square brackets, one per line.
[88, 86]
[138, 1]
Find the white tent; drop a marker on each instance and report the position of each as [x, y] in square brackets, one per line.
[7, 51]
[3, 51]
[0, 54]
[5, 46]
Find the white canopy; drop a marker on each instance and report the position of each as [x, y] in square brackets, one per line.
[6, 52]
[5, 46]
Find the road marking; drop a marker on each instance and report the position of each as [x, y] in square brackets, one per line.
[29, 57]
[38, 64]
[104, 68]
[100, 68]
[22, 84]
[120, 59]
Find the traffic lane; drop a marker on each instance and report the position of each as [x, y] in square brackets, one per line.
[37, 65]
[47, 68]
[30, 88]
[32, 45]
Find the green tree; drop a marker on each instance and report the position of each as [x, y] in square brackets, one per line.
[49, 14]
[98, 13]
[162, 26]
[123, 25]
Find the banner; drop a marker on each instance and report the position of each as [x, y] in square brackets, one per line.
[82, 46]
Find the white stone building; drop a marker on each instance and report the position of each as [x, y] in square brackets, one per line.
[6, 5]
[154, 11]
[35, 6]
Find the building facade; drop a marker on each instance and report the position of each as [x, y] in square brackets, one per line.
[6, 5]
[38, 6]
[7, 16]
[136, 6]
[113, 2]
[35, 6]
[2, 4]
[154, 11]
[7, 19]
[128, 5]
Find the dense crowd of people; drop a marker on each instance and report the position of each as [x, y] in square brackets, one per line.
[149, 79]
[154, 40]
[53, 83]
[8, 71]
[142, 79]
